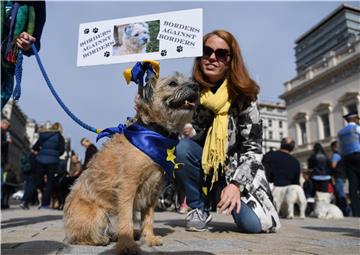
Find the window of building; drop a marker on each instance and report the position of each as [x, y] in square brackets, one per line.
[303, 135]
[281, 135]
[280, 124]
[324, 112]
[270, 135]
[270, 123]
[351, 108]
[325, 125]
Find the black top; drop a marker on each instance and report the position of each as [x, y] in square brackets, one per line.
[281, 168]
[319, 164]
[89, 153]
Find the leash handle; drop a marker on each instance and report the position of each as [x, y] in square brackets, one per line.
[58, 99]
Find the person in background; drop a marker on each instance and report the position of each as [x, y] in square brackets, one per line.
[75, 165]
[281, 168]
[5, 141]
[349, 141]
[8, 185]
[89, 153]
[227, 146]
[339, 174]
[319, 165]
[51, 145]
[30, 170]
[188, 131]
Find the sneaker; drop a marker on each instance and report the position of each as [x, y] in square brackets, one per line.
[45, 207]
[197, 220]
[24, 206]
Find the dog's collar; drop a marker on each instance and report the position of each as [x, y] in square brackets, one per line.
[159, 129]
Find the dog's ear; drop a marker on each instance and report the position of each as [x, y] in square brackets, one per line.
[128, 30]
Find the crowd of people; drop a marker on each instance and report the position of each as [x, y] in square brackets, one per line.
[325, 172]
[46, 174]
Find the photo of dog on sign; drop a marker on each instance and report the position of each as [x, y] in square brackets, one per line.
[136, 38]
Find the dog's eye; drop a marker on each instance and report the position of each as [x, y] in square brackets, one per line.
[137, 34]
[173, 84]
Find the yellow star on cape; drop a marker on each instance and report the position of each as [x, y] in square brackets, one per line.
[171, 157]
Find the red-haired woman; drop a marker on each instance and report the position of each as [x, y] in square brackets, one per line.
[227, 147]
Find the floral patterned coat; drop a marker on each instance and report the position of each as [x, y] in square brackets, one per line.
[244, 155]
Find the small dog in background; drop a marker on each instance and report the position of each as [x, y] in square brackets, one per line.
[324, 209]
[121, 179]
[131, 38]
[286, 197]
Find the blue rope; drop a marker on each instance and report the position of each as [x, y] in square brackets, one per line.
[18, 76]
[58, 99]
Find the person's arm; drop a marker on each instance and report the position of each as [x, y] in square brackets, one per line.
[334, 160]
[61, 144]
[25, 40]
[37, 145]
[242, 168]
[244, 164]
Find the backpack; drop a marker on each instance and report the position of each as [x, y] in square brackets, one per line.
[25, 164]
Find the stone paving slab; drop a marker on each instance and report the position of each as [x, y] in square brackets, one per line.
[41, 232]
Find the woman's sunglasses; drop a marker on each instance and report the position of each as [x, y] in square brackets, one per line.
[220, 54]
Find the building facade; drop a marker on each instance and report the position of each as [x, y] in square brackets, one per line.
[19, 140]
[332, 33]
[275, 126]
[318, 97]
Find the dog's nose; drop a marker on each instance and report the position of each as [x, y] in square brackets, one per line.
[194, 86]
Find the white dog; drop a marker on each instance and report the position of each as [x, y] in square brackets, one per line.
[131, 38]
[286, 197]
[324, 209]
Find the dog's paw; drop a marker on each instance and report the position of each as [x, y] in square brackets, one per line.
[153, 240]
[131, 248]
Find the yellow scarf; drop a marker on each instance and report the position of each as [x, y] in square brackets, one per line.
[214, 151]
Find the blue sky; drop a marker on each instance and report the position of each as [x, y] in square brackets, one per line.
[266, 32]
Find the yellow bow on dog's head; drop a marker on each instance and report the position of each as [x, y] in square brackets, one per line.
[137, 72]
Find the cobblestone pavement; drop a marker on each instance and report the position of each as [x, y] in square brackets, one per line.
[41, 232]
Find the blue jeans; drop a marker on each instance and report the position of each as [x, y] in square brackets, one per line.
[190, 176]
[339, 187]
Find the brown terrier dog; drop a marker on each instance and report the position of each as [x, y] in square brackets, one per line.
[121, 179]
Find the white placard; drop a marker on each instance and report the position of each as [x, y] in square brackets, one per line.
[152, 37]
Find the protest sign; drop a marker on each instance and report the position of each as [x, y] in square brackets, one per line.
[158, 36]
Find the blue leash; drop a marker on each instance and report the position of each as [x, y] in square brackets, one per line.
[17, 90]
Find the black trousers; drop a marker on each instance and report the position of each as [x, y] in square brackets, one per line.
[352, 165]
[49, 170]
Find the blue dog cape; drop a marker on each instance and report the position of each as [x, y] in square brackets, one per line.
[159, 148]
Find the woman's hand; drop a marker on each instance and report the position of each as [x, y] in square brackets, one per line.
[24, 41]
[230, 197]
